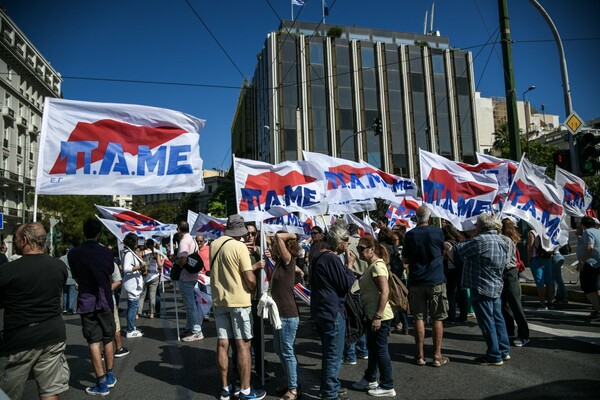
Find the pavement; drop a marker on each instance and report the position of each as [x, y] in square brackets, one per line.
[562, 361]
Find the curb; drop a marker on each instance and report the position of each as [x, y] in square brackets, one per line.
[574, 295]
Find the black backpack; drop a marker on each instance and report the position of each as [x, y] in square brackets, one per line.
[355, 318]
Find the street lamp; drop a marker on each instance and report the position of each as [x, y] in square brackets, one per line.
[527, 114]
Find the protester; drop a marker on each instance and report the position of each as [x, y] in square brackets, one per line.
[588, 255]
[330, 283]
[116, 281]
[92, 266]
[422, 252]
[187, 283]
[401, 323]
[3, 258]
[375, 291]
[512, 309]
[559, 290]
[232, 282]
[69, 293]
[540, 262]
[154, 260]
[133, 282]
[485, 258]
[34, 334]
[358, 349]
[318, 241]
[453, 270]
[285, 249]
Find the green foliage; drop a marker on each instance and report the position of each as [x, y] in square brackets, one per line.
[72, 211]
[593, 184]
[222, 202]
[164, 211]
[335, 32]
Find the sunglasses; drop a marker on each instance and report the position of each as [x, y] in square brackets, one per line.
[362, 248]
[200, 241]
[252, 233]
[315, 233]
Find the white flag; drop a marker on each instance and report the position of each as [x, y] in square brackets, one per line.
[108, 149]
[577, 198]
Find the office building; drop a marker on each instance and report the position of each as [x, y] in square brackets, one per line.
[321, 87]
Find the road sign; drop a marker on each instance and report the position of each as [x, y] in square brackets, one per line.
[1, 221]
[573, 123]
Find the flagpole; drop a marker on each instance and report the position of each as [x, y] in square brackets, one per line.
[323, 9]
[292, 6]
[263, 276]
[35, 199]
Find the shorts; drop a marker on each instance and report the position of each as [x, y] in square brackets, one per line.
[233, 322]
[541, 269]
[98, 326]
[590, 279]
[419, 296]
[49, 366]
[116, 316]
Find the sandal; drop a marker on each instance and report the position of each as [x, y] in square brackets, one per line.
[442, 361]
[291, 395]
[420, 361]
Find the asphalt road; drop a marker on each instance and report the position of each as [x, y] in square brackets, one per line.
[562, 361]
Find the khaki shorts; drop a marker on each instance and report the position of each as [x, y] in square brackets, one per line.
[49, 366]
[420, 296]
[233, 322]
[116, 315]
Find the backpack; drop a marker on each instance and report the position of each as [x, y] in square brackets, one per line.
[398, 297]
[565, 250]
[355, 318]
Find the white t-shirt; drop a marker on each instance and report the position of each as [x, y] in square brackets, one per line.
[133, 282]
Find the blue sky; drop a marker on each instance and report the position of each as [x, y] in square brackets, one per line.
[164, 41]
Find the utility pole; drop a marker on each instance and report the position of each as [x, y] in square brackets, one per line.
[509, 83]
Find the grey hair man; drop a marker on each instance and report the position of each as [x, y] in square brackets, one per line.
[34, 332]
[422, 255]
[485, 257]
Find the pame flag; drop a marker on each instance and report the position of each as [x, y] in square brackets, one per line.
[501, 171]
[577, 198]
[288, 223]
[537, 199]
[453, 193]
[208, 226]
[121, 229]
[264, 190]
[349, 180]
[402, 213]
[128, 216]
[108, 149]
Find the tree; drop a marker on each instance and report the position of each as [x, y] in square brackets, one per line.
[222, 202]
[335, 32]
[164, 211]
[501, 137]
[72, 211]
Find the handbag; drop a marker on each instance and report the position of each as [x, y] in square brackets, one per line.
[175, 272]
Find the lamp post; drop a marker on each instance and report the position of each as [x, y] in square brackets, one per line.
[527, 114]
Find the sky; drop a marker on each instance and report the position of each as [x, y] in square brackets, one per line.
[177, 63]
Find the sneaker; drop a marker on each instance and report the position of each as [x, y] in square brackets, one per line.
[381, 392]
[135, 333]
[484, 361]
[255, 394]
[122, 352]
[506, 357]
[363, 384]
[363, 357]
[521, 342]
[193, 337]
[471, 315]
[98, 390]
[349, 362]
[111, 380]
[541, 307]
[226, 394]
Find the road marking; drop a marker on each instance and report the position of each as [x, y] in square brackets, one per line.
[587, 337]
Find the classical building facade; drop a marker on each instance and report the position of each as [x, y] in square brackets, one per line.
[26, 79]
[321, 87]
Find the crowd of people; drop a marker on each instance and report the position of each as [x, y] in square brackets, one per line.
[451, 275]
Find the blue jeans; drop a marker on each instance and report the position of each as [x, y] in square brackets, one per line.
[132, 307]
[191, 308]
[360, 347]
[557, 262]
[332, 335]
[489, 318]
[541, 269]
[283, 343]
[379, 355]
[69, 298]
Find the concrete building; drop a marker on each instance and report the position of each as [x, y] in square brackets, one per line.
[123, 200]
[26, 78]
[320, 87]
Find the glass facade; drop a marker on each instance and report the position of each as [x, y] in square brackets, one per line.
[336, 87]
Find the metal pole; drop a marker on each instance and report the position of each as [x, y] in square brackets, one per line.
[509, 82]
[565, 80]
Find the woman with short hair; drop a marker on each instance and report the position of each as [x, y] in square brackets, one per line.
[133, 282]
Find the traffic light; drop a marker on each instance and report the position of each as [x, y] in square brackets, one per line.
[562, 158]
[588, 149]
[377, 126]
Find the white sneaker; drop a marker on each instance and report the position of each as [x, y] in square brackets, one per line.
[380, 392]
[134, 334]
[193, 337]
[363, 385]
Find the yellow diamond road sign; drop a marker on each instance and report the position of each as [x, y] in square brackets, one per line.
[573, 123]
